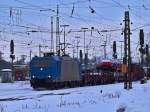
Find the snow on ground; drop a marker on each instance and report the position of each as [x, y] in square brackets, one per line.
[20, 97]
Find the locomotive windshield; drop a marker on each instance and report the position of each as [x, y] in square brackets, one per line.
[41, 63]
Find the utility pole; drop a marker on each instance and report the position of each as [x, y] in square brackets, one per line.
[87, 47]
[73, 48]
[52, 40]
[64, 26]
[86, 61]
[121, 49]
[104, 46]
[73, 52]
[84, 30]
[127, 52]
[77, 37]
[57, 33]
[87, 50]
[30, 55]
[40, 50]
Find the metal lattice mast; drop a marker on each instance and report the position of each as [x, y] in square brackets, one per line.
[52, 40]
[57, 33]
[127, 52]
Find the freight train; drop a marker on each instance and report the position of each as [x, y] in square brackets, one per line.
[63, 71]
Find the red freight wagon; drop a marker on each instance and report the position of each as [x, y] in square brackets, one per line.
[21, 72]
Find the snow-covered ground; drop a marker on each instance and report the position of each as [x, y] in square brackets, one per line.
[20, 97]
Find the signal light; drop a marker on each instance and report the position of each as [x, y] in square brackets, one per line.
[114, 46]
[114, 50]
[141, 37]
[81, 57]
[12, 47]
[146, 49]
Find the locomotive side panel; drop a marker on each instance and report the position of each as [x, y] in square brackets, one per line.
[69, 70]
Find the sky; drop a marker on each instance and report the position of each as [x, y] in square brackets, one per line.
[19, 17]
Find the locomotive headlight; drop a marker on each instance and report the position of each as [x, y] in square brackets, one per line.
[33, 76]
[49, 76]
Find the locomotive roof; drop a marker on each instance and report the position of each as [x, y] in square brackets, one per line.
[57, 58]
[6, 70]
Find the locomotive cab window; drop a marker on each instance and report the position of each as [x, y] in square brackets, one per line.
[41, 63]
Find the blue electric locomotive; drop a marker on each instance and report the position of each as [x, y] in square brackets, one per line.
[54, 72]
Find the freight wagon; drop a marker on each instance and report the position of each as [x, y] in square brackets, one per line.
[137, 73]
[104, 74]
[21, 72]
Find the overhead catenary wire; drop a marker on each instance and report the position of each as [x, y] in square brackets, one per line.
[77, 16]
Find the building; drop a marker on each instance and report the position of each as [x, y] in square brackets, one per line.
[6, 75]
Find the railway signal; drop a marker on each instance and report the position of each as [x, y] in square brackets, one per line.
[81, 57]
[141, 37]
[142, 49]
[114, 46]
[12, 47]
[12, 56]
[114, 50]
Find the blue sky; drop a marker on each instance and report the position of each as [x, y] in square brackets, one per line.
[19, 16]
